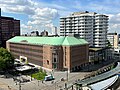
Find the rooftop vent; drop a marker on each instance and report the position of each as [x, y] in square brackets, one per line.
[24, 41]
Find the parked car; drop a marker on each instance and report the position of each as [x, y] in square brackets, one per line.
[49, 78]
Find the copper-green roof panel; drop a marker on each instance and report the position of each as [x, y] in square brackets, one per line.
[73, 41]
[48, 40]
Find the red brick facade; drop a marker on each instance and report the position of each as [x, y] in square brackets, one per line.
[52, 57]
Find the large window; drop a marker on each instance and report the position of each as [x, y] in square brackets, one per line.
[55, 60]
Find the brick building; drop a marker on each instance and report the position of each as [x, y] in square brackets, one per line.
[9, 27]
[51, 52]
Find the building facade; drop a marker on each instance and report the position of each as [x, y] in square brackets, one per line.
[89, 25]
[113, 39]
[54, 31]
[9, 27]
[34, 33]
[56, 53]
[44, 33]
[97, 55]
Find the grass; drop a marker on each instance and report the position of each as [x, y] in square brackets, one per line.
[39, 75]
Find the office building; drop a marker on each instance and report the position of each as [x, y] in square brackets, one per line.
[54, 31]
[88, 25]
[34, 33]
[113, 39]
[9, 27]
[44, 33]
[58, 53]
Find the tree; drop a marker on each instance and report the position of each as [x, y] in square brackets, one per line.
[109, 44]
[6, 59]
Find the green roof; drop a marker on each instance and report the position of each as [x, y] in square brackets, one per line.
[67, 41]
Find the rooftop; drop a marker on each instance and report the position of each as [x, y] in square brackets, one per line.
[95, 49]
[85, 12]
[10, 18]
[67, 41]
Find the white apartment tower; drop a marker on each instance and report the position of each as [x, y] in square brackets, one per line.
[88, 25]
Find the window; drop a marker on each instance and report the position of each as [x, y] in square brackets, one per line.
[55, 66]
[47, 62]
[55, 60]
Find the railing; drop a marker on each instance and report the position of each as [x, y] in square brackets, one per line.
[111, 83]
[101, 76]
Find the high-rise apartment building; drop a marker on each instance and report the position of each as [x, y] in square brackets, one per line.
[9, 27]
[88, 25]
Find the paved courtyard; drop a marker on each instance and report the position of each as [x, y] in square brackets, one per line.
[10, 84]
[57, 84]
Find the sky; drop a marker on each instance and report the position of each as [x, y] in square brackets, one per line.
[44, 14]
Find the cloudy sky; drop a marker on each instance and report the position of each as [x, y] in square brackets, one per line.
[44, 14]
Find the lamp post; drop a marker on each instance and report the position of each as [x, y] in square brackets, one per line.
[66, 78]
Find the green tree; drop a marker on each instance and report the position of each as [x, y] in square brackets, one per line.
[6, 59]
[109, 44]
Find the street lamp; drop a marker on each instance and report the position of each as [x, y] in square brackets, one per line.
[66, 78]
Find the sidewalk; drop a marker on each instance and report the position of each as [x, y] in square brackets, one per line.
[97, 66]
[4, 86]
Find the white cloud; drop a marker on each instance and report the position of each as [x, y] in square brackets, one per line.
[115, 18]
[21, 9]
[49, 25]
[43, 18]
[18, 2]
[114, 22]
[39, 17]
[45, 13]
[18, 6]
[114, 28]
